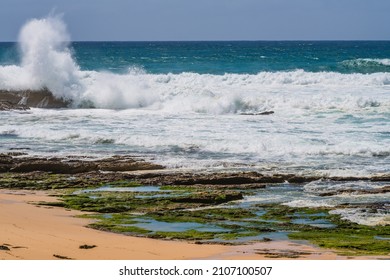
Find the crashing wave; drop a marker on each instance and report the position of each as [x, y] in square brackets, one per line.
[48, 68]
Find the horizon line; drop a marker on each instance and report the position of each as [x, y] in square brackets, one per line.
[193, 41]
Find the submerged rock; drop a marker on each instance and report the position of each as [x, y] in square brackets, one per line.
[258, 114]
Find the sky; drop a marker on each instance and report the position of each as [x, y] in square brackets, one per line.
[166, 20]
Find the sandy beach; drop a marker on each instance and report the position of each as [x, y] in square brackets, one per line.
[35, 232]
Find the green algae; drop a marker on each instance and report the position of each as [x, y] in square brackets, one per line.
[237, 235]
[349, 242]
[132, 230]
[203, 216]
[42, 181]
[287, 214]
[124, 184]
[117, 222]
[187, 235]
[181, 188]
[106, 202]
[212, 207]
[349, 238]
[48, 181]
[235, 223]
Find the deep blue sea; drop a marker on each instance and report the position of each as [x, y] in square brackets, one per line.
[235, 57]
[198, 105]
[240, 57]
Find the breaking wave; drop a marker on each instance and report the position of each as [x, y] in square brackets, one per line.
[368, 64]
[47, 63]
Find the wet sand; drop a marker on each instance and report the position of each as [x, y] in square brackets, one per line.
[34, 232]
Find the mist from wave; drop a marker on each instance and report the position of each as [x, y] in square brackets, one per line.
[47, 62]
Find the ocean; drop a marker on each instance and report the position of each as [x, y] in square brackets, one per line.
[311, 108]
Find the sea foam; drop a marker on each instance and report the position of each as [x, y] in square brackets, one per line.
[47, 62]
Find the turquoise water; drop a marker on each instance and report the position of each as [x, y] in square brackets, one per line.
[198, 105]
[189, 104]
[247, 57]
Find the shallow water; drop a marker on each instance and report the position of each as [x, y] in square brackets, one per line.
[353, 207]
[108, 188]
[156, 226]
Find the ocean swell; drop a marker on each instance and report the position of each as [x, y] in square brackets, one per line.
[367, 62]
[47, 65]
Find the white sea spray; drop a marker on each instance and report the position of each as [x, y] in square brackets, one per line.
[47, 62]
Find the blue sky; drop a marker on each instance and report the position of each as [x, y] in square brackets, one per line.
[138, 20]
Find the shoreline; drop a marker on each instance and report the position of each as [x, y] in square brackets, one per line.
[39, 233]
[39, 213]
[33, 232]
[136, 168]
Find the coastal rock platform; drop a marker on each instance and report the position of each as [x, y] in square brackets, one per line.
[23, 99]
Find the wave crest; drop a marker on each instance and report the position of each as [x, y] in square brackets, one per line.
[368, 64]
[47, 63]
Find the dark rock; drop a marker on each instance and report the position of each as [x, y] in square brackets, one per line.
[6, 159]
[385, 189]
[217, 180]
[258, 114]
[375, 178]
[28, 98]
[85, 246]
[7, 106]
[16, 154]
[12, 163]
[242, 178]
[128, 166]
[253, 186]
[53, 166]
[61, 257]
[4, 248]
[371, 206]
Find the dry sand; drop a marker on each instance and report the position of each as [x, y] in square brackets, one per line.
[41, 233]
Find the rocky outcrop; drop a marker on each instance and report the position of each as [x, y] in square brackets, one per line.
[18, 162]
[12, 163]
[124, 163]
[22, 100]
[7, 106]
[374, 206]
[265, 113]
[382, 190]
[241, 178]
